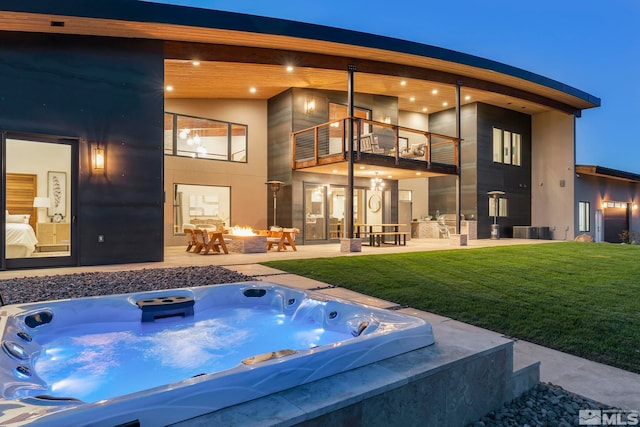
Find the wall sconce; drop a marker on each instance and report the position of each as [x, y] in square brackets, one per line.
[97, 157]
[309, 105]
[604, 205]
[635, 206]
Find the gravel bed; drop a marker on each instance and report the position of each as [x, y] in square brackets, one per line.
[544, 405]
[46, 288]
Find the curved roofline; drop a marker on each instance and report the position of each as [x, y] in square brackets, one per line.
[146, 11]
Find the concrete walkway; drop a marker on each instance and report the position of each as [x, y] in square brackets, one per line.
[599, 382]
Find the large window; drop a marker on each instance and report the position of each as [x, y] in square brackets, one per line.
[204, 138]
[204, 206]
[498, 207]
[507, 147]
[583, 215]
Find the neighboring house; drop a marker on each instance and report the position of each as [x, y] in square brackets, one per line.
[607, 204]
[132, 120]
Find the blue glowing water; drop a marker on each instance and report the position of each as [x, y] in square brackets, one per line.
[97, 361]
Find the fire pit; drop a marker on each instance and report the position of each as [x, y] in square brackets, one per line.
[244, 240]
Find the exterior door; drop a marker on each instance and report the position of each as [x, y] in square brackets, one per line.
[325, 207]
[315, 212]
[38, 184]
[616, 220]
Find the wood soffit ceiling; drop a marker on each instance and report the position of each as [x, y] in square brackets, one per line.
[226, 79]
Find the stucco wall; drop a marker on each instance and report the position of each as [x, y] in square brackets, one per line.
[553, 173]
[419, 188]
[247, 180]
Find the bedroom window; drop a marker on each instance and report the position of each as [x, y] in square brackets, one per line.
[202, 138]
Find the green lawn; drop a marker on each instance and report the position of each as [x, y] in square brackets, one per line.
[580, 298]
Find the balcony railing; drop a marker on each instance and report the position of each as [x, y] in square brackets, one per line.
[327, 143]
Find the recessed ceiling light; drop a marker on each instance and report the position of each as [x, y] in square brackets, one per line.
[403, 83]
[389, 176]
[425, 109]
[361, 167]
[445, 103]
[252, 89]
[418, 173]
[434, 92]
[195, 63]
[413, 98]
[169, 88]
[468, 97]
[289, 68]
[335, 171]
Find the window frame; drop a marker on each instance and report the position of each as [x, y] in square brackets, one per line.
[584, 215]
[507, 147]
[229, 154]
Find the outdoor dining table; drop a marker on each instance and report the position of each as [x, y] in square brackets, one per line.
[375, 232]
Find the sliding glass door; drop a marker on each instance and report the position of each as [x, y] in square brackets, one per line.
[325, 207]
[38, 194]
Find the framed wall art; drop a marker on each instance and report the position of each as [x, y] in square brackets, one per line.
[57, 192]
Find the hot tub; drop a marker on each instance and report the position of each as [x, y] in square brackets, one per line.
[164, 356]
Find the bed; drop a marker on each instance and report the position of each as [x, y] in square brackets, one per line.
[20, 215]
[21, 240]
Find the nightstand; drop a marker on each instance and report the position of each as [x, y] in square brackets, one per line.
[53, 236]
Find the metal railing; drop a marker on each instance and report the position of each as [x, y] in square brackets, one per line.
[327, 143]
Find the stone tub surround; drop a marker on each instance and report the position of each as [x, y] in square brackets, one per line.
[467, 373]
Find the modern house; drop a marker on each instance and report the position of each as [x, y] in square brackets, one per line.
[122, 121]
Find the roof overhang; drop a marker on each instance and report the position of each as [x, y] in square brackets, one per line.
[603, 172]
[370, 53]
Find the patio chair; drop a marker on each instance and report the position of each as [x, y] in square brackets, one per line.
[213, 241]
[369, 144]
[198, 238]
[281, 238]
[443, 230]
[191, 239]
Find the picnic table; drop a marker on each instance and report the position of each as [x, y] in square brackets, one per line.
[377, 233]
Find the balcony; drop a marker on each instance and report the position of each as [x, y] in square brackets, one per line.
[391, 149]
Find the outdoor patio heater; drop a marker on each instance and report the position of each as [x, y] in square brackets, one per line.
[495, 228]
[275, 187]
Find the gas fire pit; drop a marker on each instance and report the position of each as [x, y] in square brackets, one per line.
[244, 240]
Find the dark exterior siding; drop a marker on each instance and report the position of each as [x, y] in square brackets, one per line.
[96, 90]
[480, 173]
[515, 181]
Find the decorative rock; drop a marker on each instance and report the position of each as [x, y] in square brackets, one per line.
[45, 288]
[584, 238]
[537, 408]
